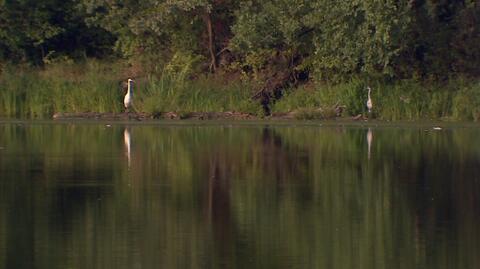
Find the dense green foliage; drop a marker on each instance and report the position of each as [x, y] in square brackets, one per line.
[39, 31]
[404, 48]
[329, 38]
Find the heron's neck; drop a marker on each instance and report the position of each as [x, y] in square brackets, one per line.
[130, 88]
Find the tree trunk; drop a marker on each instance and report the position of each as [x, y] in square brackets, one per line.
[211, 42]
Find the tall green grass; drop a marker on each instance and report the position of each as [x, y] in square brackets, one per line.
[95, 87]
[168, 93]
[35, 93]
[457, 99]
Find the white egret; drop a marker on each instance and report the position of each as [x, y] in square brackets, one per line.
[128, 100]
[369, 100]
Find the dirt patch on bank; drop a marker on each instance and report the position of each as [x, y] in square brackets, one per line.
[156, 116]
[301, 114]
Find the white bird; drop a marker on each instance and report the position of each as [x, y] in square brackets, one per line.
[128, 100]
[369, 100]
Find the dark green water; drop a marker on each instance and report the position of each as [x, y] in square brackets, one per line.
[220, 196]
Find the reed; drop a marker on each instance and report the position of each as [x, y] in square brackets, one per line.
[94, 86]
[33, 93]
[168, 93]
[457, 99]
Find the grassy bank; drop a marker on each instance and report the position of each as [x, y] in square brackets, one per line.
[458, 99]
[95, 87]
[35, 93]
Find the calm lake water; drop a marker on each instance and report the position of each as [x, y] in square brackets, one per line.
[242, 196]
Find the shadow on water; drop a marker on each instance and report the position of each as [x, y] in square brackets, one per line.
[81, 196]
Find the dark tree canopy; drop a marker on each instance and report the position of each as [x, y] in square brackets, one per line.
[328, 39]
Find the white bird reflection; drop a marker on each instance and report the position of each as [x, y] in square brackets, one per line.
[127, 141]
[369, 141]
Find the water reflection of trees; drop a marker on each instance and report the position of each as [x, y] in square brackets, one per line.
[211, 197]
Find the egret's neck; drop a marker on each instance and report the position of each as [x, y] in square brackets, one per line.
[369, 93]
[130, 88]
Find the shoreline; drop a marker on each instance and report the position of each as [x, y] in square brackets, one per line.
[232, 119]
[142, 116]
[196, 116]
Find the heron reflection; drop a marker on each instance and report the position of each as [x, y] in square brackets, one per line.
[127, 141]
[369, 141]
